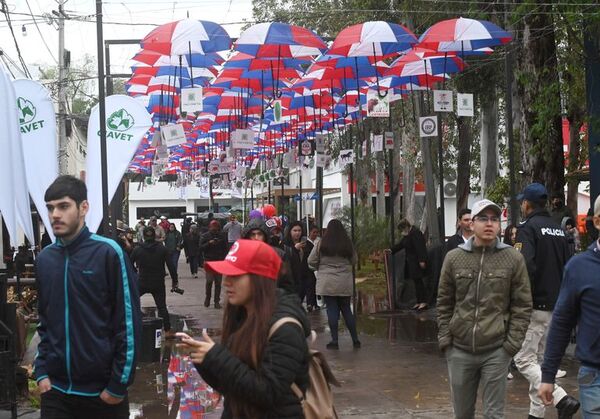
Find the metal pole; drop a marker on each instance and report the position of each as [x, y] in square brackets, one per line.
[63, 166]
[513, 214]
[441, 179]
[102, 109]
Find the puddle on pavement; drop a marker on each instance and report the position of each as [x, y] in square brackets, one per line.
[172, 388]
[404, 326]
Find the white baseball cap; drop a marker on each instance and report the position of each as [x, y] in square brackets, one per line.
[479, 206]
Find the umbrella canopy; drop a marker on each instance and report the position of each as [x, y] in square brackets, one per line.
[463, 35]
[187, 36]
[280, 40]
[376, 38]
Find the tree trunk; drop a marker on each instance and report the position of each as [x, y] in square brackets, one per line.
[408, 177]
[575, 121]
[463, 174]
[489, 143]
[363, 167]
[538, 84]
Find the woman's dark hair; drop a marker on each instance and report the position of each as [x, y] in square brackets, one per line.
[507, 235]
[336, 242]
[245, 333]
[66, 186]
[288, 233]
[403, 224]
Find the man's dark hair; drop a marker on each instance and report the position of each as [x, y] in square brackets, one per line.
[463, 212]
[149, 233]
[66, 186]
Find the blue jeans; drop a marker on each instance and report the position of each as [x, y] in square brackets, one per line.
[175, 258]
[334, 306]
[589, 391]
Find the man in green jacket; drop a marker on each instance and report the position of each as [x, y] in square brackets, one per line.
[484, 304]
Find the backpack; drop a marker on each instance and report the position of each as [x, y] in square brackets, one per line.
[317, 403]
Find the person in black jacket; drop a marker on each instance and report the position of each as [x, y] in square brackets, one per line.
[255, 372]
[465, 231]
[295, 241]
[543, 244]
[213, 245]
[191, 244]
[150, 259]
[413, 242]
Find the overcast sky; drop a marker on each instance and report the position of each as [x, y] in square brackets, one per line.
[80, 37]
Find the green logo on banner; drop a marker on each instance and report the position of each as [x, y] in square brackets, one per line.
[120, 120]
[27, 112]
[117, 123]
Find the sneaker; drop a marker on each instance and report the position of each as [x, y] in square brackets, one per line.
[509, 376]
[333, 345]
[561, 373]
[206, 303]
[217, 305]
[196, 276]
[567, 407]
[356, 344]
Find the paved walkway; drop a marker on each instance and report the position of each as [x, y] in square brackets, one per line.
[398, 373]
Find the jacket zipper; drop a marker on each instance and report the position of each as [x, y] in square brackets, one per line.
[67, 334]
[477, 296]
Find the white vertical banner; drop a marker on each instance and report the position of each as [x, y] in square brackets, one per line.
[376, 143]
[126, 123]
[38, 135]
[14, 196]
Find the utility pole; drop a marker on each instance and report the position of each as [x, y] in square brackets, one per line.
[63, 166]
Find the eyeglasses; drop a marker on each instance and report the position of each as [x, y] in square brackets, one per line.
[485, 219]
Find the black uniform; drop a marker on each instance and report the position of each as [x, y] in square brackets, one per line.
[546, 251]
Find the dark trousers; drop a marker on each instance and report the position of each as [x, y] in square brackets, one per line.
[334, 306]
[420, 292]
[175, 258]
[210, 278]
[311, 292]
[194, 261]
[58, 405]
[160, 299]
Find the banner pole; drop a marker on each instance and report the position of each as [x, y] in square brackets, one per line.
[102, 108]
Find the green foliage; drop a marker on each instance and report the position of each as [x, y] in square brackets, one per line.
[499, 191]
[371, 234]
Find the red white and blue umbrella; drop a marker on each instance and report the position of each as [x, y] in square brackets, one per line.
[187, 36]
[376, 38]
[279, 40]
[463, 35]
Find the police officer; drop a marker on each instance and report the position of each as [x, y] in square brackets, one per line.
[545, 248]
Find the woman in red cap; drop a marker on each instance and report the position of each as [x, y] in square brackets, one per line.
[252, 371]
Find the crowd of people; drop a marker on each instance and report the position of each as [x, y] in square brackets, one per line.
[515, 299]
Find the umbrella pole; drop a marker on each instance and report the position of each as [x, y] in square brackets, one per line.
[190, 64]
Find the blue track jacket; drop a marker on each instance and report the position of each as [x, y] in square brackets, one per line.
[90, 319]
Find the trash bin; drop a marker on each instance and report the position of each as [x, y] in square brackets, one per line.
[151, 339]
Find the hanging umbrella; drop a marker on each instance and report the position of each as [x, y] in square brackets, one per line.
[464, 36]
[187, 36]
[375, 38]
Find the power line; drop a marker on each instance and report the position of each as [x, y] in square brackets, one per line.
[40, 32]
[12, 32]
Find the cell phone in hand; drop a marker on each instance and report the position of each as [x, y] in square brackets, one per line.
[303, 239]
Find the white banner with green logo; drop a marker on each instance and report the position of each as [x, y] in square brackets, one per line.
[37, 123]
[126, 123]
[14, 196]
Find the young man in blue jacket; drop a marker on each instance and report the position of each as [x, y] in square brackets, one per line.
[89, 312]
[577, 305]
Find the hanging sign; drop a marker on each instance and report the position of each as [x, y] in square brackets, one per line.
[376, 143]
[428, 126]
[173, 134]
[464, 103]
[389, 140]
[254, 164]
[242, 139]
[191, 99]
[323, 160]
[346, 157]
[240, 172]
[162, 152]
[306, 148]
[277, 112]
[320, 143]
[377, 106]
[443, 101]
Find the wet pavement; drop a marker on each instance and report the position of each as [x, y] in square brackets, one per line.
[398, 372]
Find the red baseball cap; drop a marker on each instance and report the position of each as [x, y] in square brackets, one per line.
[248, 257]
